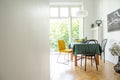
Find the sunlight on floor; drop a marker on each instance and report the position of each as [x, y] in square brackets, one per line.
[60, 71]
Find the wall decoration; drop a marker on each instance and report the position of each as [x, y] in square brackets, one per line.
[92, 25]
[98, 22]
[113, 21]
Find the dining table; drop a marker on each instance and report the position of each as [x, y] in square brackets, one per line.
[79, 48]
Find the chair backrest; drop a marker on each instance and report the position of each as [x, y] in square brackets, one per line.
[91, 47]
[103, 44]
[61, 45]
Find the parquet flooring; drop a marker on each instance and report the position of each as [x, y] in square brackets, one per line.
[60, 71]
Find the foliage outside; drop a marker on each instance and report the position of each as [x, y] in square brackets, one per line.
[59, 29]
[115, 49]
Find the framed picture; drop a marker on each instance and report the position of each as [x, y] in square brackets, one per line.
[113, 21]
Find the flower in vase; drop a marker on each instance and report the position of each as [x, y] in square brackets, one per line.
[115, 49]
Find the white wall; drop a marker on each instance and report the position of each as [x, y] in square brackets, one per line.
[89, 6]
[24, 40]
[102, 8]
[98, 9]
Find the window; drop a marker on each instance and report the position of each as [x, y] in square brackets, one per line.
[64, 24]
[74, 10]
[53, 12]
[64, 12]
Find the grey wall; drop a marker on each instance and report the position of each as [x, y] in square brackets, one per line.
[24, 40]
[103, 8]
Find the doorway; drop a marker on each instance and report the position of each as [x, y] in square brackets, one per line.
[64, 24]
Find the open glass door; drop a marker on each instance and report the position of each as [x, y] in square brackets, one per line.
[64, 24]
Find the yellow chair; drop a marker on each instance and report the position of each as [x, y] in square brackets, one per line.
[63, 50]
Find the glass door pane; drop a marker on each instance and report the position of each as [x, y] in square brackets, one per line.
[76, 29]
[58, 30]
[64, 12]
[74, 11]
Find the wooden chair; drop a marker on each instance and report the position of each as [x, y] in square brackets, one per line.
[103, 45]
[90, 51]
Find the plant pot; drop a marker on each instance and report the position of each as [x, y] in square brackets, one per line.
[117, 66]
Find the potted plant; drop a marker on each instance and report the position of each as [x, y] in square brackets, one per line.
[115, 51]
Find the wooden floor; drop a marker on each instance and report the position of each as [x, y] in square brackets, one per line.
[60, 71]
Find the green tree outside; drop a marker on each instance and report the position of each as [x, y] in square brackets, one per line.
[59, 29]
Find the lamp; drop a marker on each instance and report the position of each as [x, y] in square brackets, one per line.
[82, 14]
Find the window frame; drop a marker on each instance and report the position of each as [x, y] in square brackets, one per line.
[70, 17]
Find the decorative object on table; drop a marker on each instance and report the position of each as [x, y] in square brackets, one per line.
[98, 22]
[83, 40]
[78, 40]
[113, 21]
[115, 51]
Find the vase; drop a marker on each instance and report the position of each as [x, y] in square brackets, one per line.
[117, 66]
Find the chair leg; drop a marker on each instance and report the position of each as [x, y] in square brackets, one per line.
[101, 56]
[96, 63]
[85, 62]
[91, 61]
[58, 57]
[67, 62]
[68, 57]
[81, 60]
[104, 56]
[64, 56]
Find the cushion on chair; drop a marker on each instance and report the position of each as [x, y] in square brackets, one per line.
[66, 50]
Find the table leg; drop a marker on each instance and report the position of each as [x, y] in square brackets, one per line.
[75, 63]
[97, 59]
